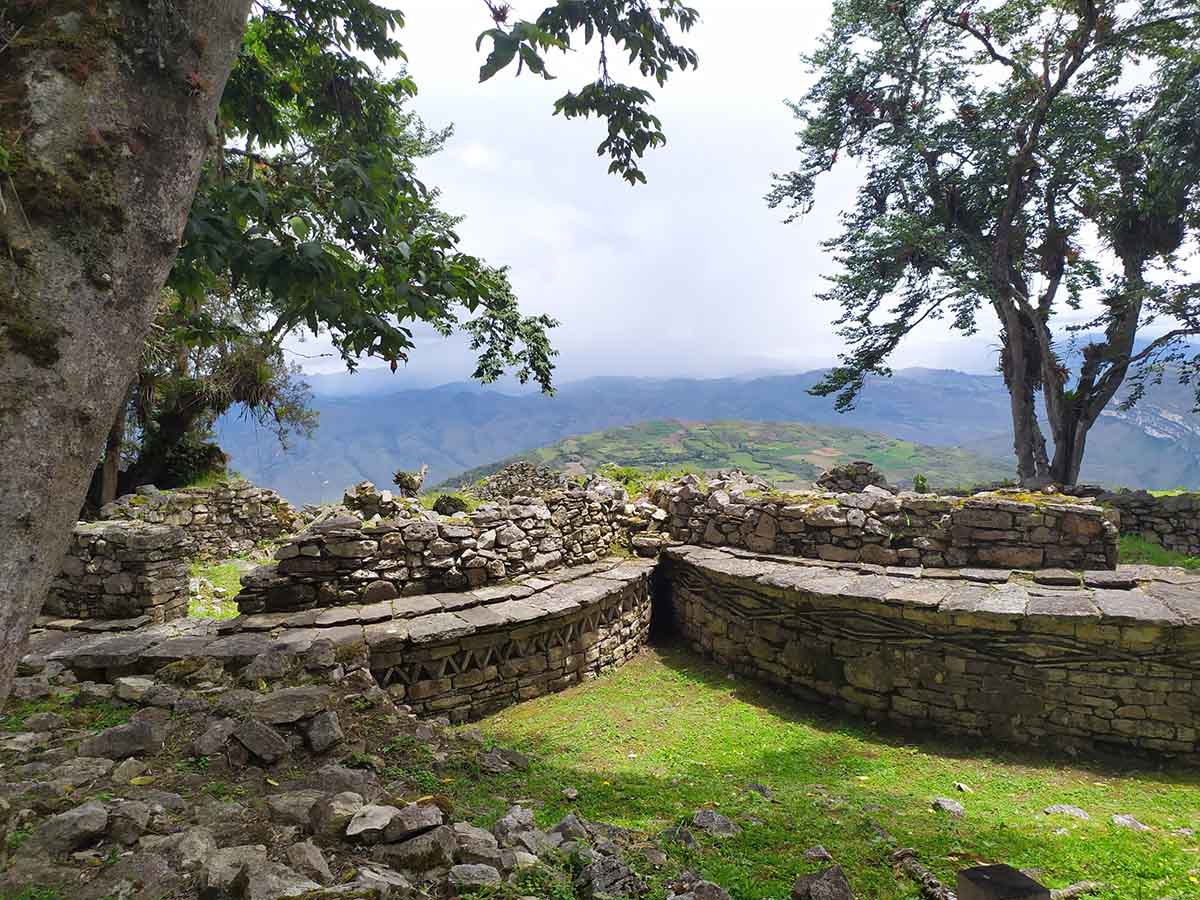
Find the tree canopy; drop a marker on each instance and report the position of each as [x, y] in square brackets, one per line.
[310, 215]
[1038, 159]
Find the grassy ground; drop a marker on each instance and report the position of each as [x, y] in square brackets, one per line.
[667, 734]
[1136, 549]
[224, 576]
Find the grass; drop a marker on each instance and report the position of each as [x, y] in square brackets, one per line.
[667, 734]
[469, 501]
[226, 575]
[1137, 550]
[84, 716]
[788, 454]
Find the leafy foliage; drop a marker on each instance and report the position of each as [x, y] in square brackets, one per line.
[640, 28]
[1038, 159]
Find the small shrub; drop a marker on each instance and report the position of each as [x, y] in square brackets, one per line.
[920, 484]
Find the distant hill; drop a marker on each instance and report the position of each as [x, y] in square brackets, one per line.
[457, 427]
[789, 454]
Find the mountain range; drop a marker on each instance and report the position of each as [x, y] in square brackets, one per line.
[460, 426]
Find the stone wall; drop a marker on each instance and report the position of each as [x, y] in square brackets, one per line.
[218, 521]
[344, 560]
[463, 655]
[1104, 660]
[122, 570]
[874, 526]
[1173, 522]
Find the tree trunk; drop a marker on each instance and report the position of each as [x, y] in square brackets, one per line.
[107, 116]
[110, 470]
[1019, 361]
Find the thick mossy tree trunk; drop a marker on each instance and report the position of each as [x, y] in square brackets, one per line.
[108, 111]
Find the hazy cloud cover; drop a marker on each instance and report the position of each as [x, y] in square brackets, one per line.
[691, 274]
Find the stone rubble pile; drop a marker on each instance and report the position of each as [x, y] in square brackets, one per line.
[212, 790]
[122, 569]
[852, 478]
[365, 501]
[520, 479]
[218, 521]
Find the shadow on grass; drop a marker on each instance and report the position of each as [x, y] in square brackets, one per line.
[857, 790]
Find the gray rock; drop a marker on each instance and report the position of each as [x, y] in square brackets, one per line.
[715, 824]
[690, 887]
[293, 807]
[135, 738]
[219, 870]
[288, 705]
[133, 687]
[330, 815]
[270, 881]
[212, 741]
[129, 768]
[829, 884]
[761, 789]
[571, 828]
[1065, 809]
[512, 823]
[411, 820]
[323, 731]
[369, 822]
[46, 721]
[470, 876]
[608, 876]
[307, 859]
[818, 854]
[128, 821]
[194, 847]
[431, 850]
[952, 808]
[385, 881]
[261, 739]
[72, 829]
[1124, 820]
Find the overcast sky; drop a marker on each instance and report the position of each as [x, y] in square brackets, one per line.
[691, 274]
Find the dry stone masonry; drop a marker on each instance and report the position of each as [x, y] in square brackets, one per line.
[1171, 521]
[218, 521]
[343, 559]
[875, 526]
[463, 654]
[1093, 660]
[122, 570]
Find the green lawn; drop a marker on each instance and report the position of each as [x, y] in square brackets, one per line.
[649, 744]
[1136, 549]
[225, 575]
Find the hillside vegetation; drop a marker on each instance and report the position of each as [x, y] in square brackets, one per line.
[789, 454]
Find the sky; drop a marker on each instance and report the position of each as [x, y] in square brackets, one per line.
[689, 275]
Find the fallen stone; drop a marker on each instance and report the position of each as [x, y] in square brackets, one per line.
[138, 738]
[133, 688]
[715, 824]
[330, 816]
[386, 882]
[262, 740]
[411, 820]
[829, 884]
[818, 854]
[270, 881]
[1124, 820]
[952, 808]
[471, 876]
[608, 876]
[288, 705]
[307, 859]
[1065, 809]
[323, 731]
[72, 829]
[293, 807]
[369, 822]
[212, 741]
[761, 789]
[127, 821]
[222, 866]
[512, 823]
[46, 721]
[431, 850]
[128, 769]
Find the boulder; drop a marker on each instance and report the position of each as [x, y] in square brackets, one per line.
[431, 850]
[72, 829]
[411, 820]
[828, 884]
[715, 824]
[270, 881]
[330, 816]
[322, 731]
[288, 705]
[608, 876]
[307, 859]
[472, 876]
[219, 870]
[262, 740]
